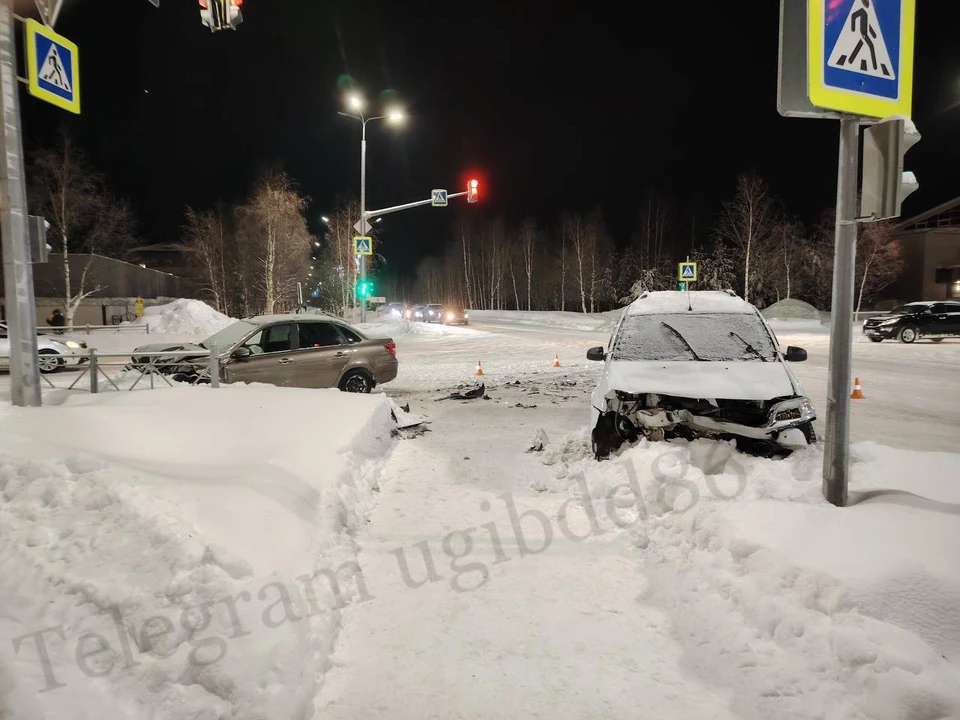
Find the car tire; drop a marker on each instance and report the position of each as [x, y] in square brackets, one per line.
[908, 334]
[356, 381]
[875, 339]
[50, 362]
[936, 340]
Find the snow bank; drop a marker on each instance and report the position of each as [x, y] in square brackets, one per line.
[183, 317]
[196, 572]
[805, 609]
[792, 309]
[596, 322]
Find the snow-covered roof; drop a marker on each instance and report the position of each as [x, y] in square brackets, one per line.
[703, 301]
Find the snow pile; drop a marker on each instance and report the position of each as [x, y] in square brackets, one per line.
[805, 609]
[184, 317]
[596, 322]
[791, 309]
[198, 573]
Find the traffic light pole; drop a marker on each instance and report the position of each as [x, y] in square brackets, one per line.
[363, 216]
[836, 456]
[370, 214]
[17, 272]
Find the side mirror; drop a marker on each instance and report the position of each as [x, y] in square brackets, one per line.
[596, 353]
[241, 353]
[795, 354]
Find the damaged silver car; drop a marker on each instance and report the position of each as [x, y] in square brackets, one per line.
[698, 364]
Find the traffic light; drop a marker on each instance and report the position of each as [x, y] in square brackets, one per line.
[365, 289]
[472, 186]
[681, 286]
[885, 184]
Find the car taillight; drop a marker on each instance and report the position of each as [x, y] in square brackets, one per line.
[391, 348]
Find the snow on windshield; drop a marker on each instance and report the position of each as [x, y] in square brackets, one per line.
[230, 335]
[712, 336]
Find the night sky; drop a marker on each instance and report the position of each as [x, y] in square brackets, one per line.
[554, 109]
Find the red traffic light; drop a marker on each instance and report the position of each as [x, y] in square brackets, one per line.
[472, 191]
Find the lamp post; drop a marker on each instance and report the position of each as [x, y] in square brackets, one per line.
[356, 104]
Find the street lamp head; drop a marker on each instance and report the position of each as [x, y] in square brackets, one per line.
[396, 116]
[355, 102]
[325, 219]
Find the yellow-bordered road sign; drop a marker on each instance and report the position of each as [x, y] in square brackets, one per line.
[687, 272]
[53, 67]
[860, 56]
[363, 245]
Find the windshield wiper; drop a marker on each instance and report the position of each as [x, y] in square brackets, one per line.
[750, 348]
[682, 339]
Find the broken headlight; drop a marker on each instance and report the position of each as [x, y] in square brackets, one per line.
[794, 410]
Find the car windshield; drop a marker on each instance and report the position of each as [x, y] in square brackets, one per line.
[230, 335]
[713, 337]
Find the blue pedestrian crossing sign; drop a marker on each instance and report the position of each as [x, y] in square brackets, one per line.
[438, 198]
[363, 245]
[860, 55]
[53, 67]
[688, 272]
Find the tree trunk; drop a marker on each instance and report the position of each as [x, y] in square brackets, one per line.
[67, 294]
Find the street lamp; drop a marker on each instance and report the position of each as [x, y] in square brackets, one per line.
[394, 115]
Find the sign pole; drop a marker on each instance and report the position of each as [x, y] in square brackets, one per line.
[836, 456]
[17, 271]
[363, 203]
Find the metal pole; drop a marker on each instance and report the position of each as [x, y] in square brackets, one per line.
[836, 458]
[17, 271]
[214, 367]
[94, 372]
[363, 205]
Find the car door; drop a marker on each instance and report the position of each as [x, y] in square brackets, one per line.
[4, 346]
[321, 356]
[272, 361]
[946, 319]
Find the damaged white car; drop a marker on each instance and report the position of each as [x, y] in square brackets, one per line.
[698, 364]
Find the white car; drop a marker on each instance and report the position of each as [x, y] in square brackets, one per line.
[698, 364]
[55, 351]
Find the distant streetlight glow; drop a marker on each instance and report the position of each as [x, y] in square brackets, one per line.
[356, 102]
[325, 218]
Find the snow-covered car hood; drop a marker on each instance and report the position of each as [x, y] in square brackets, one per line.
[170, 347]
[752, 380]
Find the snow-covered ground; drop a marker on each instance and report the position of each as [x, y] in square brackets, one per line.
[495, 580]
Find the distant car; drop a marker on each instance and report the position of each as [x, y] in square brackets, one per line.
[455, 316]
[433, 313]
[286, 350]
[698, 364]
[394, 310]
[916, 321]
[418, 313]
[55, 352]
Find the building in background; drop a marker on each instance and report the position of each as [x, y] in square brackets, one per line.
[930, 243]
[165, 257]
[117, 286]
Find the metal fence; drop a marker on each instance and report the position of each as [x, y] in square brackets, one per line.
[101, 371]
[90, 329]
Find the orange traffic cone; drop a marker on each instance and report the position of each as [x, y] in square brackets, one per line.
[556, 359]
[479, 369]
[857, 393]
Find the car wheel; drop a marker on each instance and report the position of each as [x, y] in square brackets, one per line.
[875, 339]
[908, 334]
[936, 340]
[49, 361]
[357, 381]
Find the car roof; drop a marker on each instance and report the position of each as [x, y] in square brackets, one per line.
[293, 317]
[700, 301]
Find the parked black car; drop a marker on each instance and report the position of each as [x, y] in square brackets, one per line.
[917, 320]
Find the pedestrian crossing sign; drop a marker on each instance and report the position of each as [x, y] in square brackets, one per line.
[363, 245]
[688, 272]
[53, 69]
[860, 55]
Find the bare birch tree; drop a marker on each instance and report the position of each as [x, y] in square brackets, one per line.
[84, 217]
[747, 222]
[204, 236]
[879, 260]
